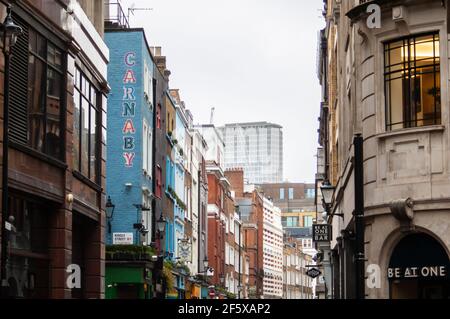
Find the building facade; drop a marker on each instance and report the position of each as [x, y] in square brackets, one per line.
[298, 209]
[251, 211]
[296, 283]
[56, 168]
[393, 91]
[257, 148]
[272, 251]
[217, 209]
[135, 183]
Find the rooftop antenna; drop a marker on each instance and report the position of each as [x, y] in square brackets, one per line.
[132, 9]
[211, 121]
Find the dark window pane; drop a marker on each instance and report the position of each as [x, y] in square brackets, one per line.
[77, 79]
[85, 137]
[85, 86]
[93, 96]
[36, 102]
[76, 130]
[53, 127]
[54, 56]
[93, 146]
[37, 43]
[54, 80]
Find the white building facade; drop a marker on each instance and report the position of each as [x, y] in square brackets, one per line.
[257, 148]
[272, 251]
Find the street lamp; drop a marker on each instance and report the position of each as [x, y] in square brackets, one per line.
[327, 194]
[161, 227]
[9, 32]
[161, 224]
[205, 269]
[327, 191]
[109, 212]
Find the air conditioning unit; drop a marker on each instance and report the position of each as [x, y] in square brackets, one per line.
[399, 13]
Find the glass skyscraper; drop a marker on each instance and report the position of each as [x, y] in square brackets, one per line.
[257, 148]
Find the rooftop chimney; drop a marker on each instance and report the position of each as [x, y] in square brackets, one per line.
[160, 61]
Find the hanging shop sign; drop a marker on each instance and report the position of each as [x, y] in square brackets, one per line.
[321, 233]
[184, 250]
[313, 273]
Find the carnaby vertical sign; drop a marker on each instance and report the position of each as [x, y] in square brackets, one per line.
[129, 108]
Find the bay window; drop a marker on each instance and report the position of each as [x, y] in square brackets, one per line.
[37, 84]
[412, 82]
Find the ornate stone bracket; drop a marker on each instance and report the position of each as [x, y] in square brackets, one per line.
[403, 210]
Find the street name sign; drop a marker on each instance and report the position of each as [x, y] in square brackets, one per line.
[122, 238]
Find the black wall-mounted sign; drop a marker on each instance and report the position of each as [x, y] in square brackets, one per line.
[321, 233]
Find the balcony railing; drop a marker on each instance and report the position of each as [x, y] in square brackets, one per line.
[115, 16]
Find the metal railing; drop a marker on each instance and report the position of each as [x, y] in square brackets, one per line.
[115, 15]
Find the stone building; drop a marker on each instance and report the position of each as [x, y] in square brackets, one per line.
[56, 172]
[296, 283]
[383, 67]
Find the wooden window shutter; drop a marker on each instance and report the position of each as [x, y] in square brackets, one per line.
[18, 102]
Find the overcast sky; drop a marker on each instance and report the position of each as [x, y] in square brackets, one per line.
[253, 60]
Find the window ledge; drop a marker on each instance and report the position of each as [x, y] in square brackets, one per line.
[36, 154]
[413, 130]
[87, 181]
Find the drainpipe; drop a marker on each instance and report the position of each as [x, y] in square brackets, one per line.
[359, 217]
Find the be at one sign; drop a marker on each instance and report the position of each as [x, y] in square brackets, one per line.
[321, 233]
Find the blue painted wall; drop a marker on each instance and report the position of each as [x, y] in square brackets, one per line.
[128, 54]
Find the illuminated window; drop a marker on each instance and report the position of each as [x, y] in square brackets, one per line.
[412, 82]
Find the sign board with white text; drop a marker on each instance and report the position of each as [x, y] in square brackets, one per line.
[122, 238]
[321, 233]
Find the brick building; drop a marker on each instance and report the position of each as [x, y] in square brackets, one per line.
[56, 165]
[251, 212]
[298, 209]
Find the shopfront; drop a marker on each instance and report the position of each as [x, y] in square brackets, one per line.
[418, 269]
[128, 281]
[28, 261]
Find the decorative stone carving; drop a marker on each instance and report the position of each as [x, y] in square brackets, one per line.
[402, 209]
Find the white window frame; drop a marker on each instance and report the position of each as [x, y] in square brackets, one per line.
[145, 130]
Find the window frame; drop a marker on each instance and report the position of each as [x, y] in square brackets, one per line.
[98, 123]
[145, 148]
[410, 64]
[48, 39]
